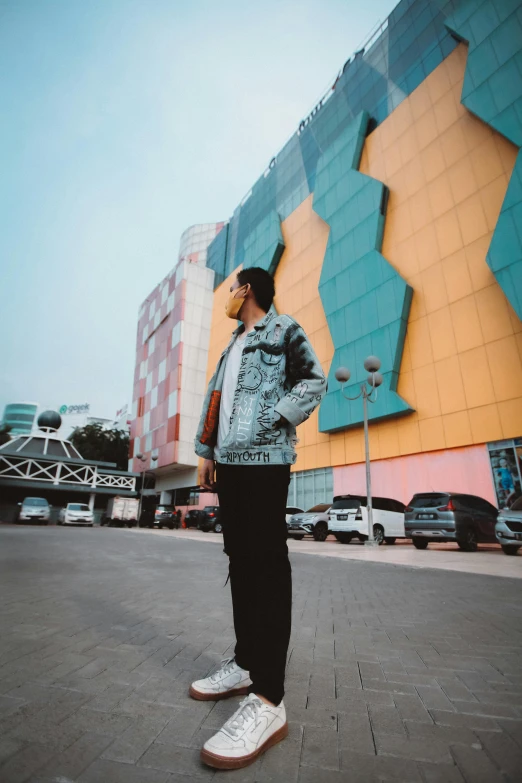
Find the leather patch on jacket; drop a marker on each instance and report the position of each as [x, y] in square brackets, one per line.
[211, 424]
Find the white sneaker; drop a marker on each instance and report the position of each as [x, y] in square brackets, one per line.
[228, 680]
[251, 730]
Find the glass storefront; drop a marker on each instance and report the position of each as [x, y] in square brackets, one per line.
[506, 465]
[310, 487]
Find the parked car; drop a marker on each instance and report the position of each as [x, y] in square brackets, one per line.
[34, 510]
[314, 521]
[192, 517]
[291, 510]
[508, 529]
[349, 519]
[448, 516]
[121, 511]
[210, 520]
[165, 516]
[76, 514]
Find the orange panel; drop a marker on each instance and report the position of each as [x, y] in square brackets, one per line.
[432, 434]
[480, 273]
[494, 313]
[510, 413]
[454, 146]
[420, 344]
[456, 276]
[472, 220]
[466, 324]
[485, 424]
[434, 288]
[449, 382]
[449, 236]
[506, 368]
[442, 336]
[486, 162]
[446, 112]
[462, 179]
[457, 429]
[491, 198]
[476, 377]
[432, 159]
[426, 392]
[440, 193]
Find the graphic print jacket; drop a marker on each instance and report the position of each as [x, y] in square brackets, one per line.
[279, 375]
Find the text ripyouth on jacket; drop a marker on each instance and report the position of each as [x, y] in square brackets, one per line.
[279, 375]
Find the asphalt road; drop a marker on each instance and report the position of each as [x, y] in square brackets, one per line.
[395, 672]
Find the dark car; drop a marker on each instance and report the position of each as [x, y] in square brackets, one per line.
[193, 516]
[165, 516]
[450, 516]
[211, 520]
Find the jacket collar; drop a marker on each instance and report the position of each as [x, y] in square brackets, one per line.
[260, 324]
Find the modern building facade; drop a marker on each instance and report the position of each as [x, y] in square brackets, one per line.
[171, 360]
[392, 222]
[20, 417]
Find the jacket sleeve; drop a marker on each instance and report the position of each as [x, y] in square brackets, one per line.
[304, 374]
[201, 449]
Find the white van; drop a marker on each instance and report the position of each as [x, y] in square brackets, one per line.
[349, 519]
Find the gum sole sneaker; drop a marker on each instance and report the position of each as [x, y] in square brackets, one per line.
[228, 680]
[253, 728]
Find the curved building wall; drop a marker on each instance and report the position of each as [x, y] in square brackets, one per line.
[20, 416]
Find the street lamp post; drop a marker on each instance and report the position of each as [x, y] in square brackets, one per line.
[143, 460]
[372, 365]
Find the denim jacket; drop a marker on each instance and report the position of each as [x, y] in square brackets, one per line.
[279, 375]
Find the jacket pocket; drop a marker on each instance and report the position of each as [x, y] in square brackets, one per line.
[271, 359]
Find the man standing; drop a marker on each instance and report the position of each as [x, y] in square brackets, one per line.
[267, 381]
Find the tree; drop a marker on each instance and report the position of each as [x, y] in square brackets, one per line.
[95, 443]
[5, 429]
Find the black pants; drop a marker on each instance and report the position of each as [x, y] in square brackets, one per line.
[252, 500]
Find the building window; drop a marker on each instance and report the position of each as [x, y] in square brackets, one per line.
[506, 465]
[310, 487]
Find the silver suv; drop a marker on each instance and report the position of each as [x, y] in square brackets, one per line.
[314, 521]
[508, 529]
[448, 516]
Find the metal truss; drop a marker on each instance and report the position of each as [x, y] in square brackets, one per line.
[38, 469]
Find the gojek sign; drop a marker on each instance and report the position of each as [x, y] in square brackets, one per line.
[65, 410]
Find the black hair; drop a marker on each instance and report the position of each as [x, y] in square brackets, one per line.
[262, 284]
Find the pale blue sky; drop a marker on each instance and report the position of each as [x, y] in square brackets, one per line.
[123, 122]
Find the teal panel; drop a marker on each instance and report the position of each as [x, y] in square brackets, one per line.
[217, 255]
[264, 245]
[365, 300]
[493, 91]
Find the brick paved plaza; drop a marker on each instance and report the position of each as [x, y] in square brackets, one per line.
[394, 673]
